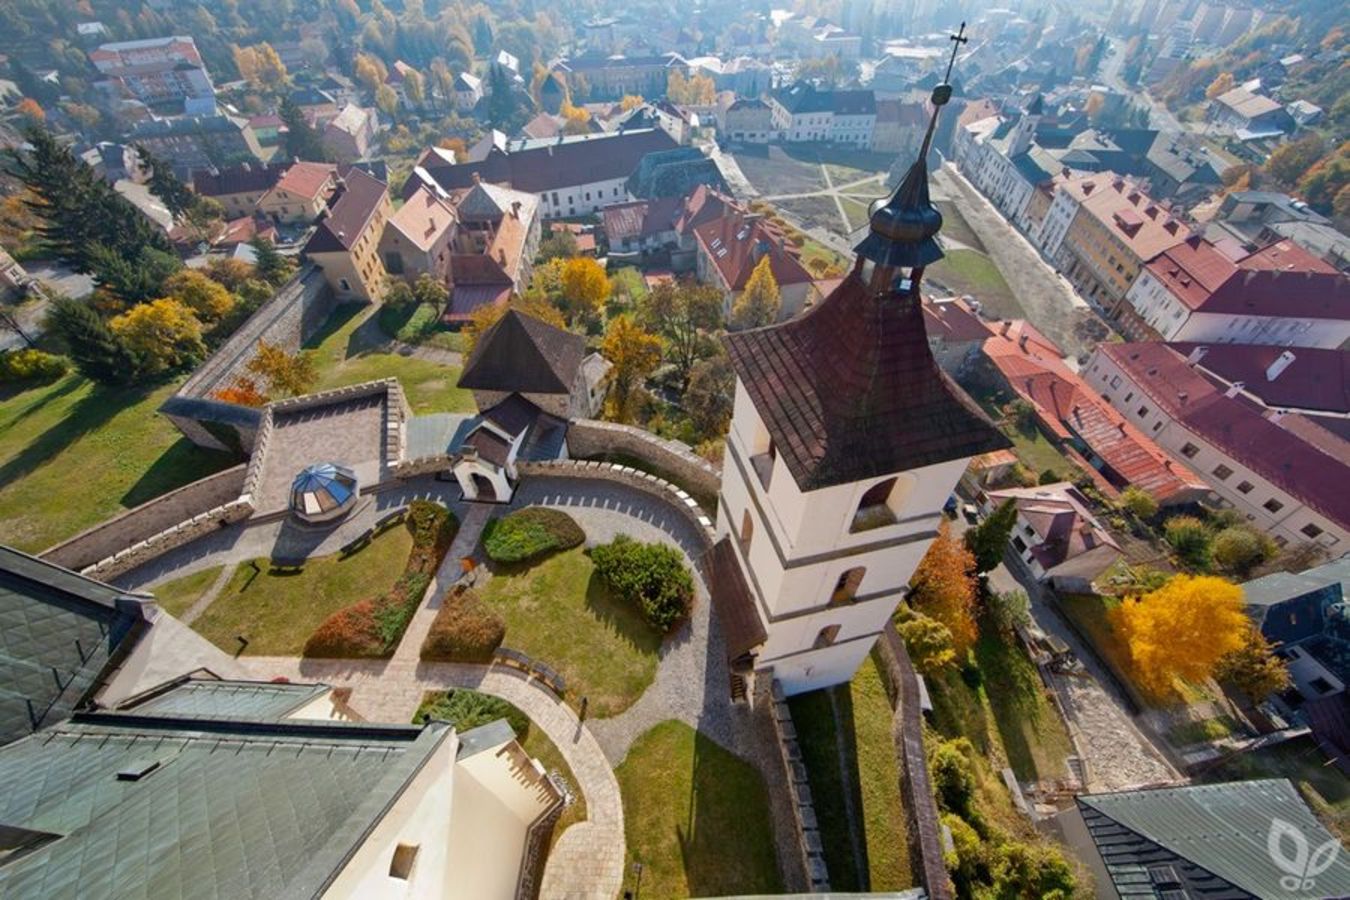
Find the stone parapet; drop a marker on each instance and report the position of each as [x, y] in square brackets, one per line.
[593, 439]
[162, 542]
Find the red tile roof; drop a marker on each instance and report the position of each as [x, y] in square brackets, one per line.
[954, 321]
[1316, 379]
[1282, 279]
[306, 179]
[641, 219]
[1292, 461]
[1067, 407]
[736, 242]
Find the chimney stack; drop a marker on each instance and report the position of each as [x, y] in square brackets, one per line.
[1196, 355]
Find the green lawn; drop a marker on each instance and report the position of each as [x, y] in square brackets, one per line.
[841, 175]
[1030, 730]
[73, 454]
[856, 211]
[278, 610]
[419, 325]
[955, 226]
[1038, 454]
[344, 357]
[814, 249]
[971, 272]
[872, 780]
[559, 612]
[176, 597]
[696, 817]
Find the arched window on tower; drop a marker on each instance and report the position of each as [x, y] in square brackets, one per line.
[827, 636]
[747, 531]
[846, 588]
[881, 503]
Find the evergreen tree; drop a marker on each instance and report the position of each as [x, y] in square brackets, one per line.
[303, 140]
[97, 352]
[133, 279]
[988, 540]
[501, 106]
[272, 267]
[165, 185]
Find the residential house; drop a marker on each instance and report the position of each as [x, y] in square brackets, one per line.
[397, 78]
[342, 89]
[319, 106]
[1000, 158]
[1113, 229]
[269, 128]
[418, 238]
[747, 120]
[1178, 166]
[495, 245]
[955, 332]
[643, 225]
[900, 126]
[1199, 840]
[1261, 217]
[732, 245]
[301, 194]
[1082, 424]
[1056, 535]
[571, 176]
[199, 142]
[155, 70]
[237, 188]
[1280, 295]
[1288, 473]
[349, 135]
[611, 77]
[468, 91]
[1304, 113]
[1249, 115]
[346, 243]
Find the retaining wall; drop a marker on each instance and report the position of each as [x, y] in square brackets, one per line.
[125, 529]
[806, 826]
[592, 439]
[176, 536]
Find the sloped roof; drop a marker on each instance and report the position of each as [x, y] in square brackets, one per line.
[207, 808]
[1316, 379]
[1222, 828]
[351, 210]
[262, 700]
[523, 354]
[60, 633]
[241, 179]
[736, 241]
[423, 219]
[742, 630]
[306, 179]
[849, 390]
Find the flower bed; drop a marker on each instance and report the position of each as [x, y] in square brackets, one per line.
[465, 630]
[372, 628]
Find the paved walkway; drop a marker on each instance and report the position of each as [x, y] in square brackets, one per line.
[194, 611]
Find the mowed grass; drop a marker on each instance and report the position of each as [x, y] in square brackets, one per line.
[696, 816]
[816, 250]
[345, 357]
[872, 779]
[971, 272]
[177, 596]
[559, 612]
[856, 210]
[955, 226]
[73, 453]
[277, 611]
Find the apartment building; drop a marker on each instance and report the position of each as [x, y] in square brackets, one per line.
[346, 244]
[155, 70]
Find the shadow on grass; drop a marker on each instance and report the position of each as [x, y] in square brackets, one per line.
[1014, 701]
[626, 621]
[183, 463]
[337, 320]
[90, 414]
[958, 710]
[10, 391]
[819, 740]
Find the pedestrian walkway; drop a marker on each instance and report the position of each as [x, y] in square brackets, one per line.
[206, 599]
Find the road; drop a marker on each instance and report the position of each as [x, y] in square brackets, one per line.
[1159, 116]
[1046, 297]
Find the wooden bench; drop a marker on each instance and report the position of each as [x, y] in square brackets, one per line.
[555, 682]
[286, 563]
[513, 658]
[357, 542]
[389, 519]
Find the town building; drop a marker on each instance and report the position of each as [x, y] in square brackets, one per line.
[1249, 115]
[496, 239]
[747, 120]
[1312, 381]
[955, 333]
[348, 136]
[190, 143]
[612, 77]
[743, 76]
[468, 91]
[301, 194]
[346, 243]
[1056, 535]
[571, 176]
[845, 442]
[813, 36]
[1100, 230]
[237, 188]
[1262, 217]
[803, 112]
[643, 225]
[1287, 473]
[155, 70]
[732, 245]
[1200, 840]
[318, 105]
[1280, 295]
[418, 238]
[1000, 158]
[899, 127]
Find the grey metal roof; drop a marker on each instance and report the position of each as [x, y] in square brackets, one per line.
[229, 809]
[1222, 828]
[227, 699]
[59, 631]
[1280, 586]
[484, 737]
[438, 433]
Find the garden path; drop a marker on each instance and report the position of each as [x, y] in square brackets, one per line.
[196, 609]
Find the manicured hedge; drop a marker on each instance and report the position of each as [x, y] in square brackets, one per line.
[653, 577]
[372, 628]
[530, 533]
[466, 709]
[465, 630]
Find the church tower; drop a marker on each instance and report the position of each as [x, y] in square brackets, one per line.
[1024, 132]
[846, 441]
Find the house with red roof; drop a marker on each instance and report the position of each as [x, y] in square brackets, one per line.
[1279, 295]
[1075, 416]
[732, 245]
[1287, 472]
[301, 194]
[1056, 535]
[955, 333]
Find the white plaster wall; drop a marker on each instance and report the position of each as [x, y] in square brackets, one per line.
[1281, 331]
[822, 668]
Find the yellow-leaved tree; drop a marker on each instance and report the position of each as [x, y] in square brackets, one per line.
[584, 286]
[633, 353]
[164, 335]
[1181, 630]
[759, 303]
[209, 300]
[944, 589]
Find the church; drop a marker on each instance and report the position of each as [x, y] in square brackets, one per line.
[846, 441]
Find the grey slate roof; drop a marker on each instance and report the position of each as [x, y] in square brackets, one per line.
[58, 633]
[229, 699]
[520, 353]
[232, 810]
[1280, 586]
[1221, 829]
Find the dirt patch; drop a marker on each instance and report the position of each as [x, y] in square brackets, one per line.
[773, 171]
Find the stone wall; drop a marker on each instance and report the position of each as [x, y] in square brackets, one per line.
[803, 808]
[592, 439]
[113, 535]
[185, 532]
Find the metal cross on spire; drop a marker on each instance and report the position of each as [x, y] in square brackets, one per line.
[957, 40]
[943, 92]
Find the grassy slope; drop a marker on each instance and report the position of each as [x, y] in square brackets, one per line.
[177, 596]
[971, 272]
[696, 817]
[559, 612]
[430, 387]
[278, 612]
[73, 454]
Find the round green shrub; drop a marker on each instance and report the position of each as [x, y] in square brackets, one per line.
[31, 365]
[530, 533]
[1192, 541]
[653, 577]
[465, 630]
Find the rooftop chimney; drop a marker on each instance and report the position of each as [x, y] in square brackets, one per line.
[1234, 389]
[1281, 363]
[1005, 328]
[1196, 355]
[477, 178]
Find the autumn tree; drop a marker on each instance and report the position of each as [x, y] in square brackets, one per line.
[386, 101]
[1181, 630]
[242, 391]
[31, 111]
[928, 641]
[631, 102]
[684, 315]
[431, 291]
[943, 589]
[1292, 160]
[709, 397]
[414, 86]
[1254, 668]
[584, 287]
[208, 299]
[261, 66]
[633, 354]
[285, 374]
[576, 119]
[988, 540]
[1240, 548]
[1221, 85]
[759, 303]
[164, 334]
[96, 351]
[370, 71]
